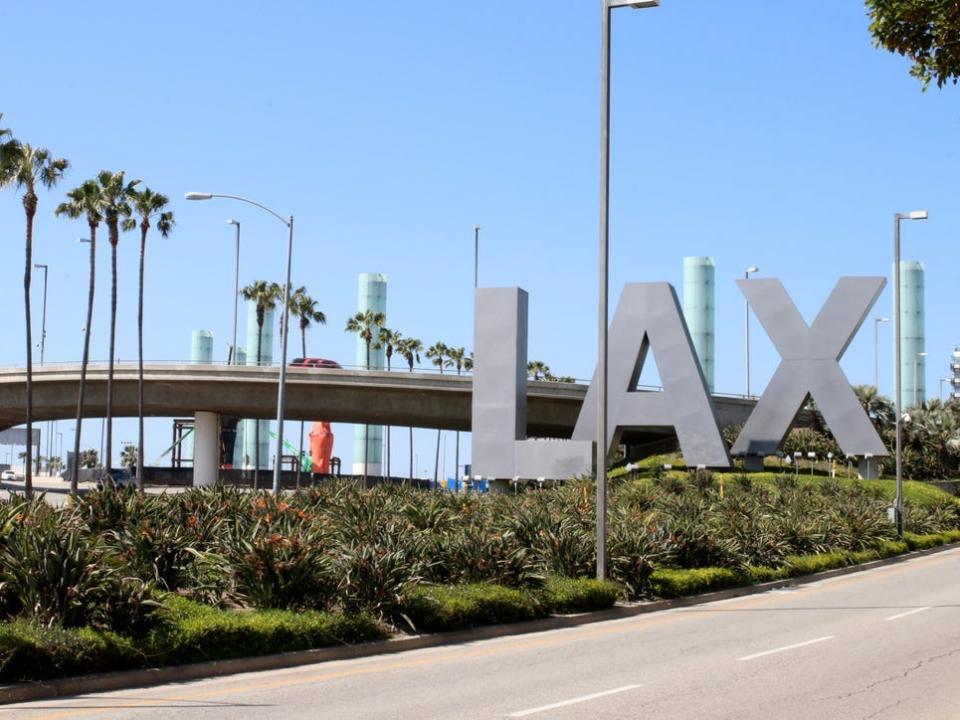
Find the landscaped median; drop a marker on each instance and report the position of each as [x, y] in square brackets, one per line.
[120, 581]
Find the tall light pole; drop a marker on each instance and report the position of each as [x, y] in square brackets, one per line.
[43, 323]
[476, 253]
[281, 392]
[236, 292]
[897, 342]
[940, 394]
[876, 365]
[916, 378]
[606, 7]
[746, 329]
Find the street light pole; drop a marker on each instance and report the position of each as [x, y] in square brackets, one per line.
[236, 293]
[43, 323]
[897, 217]
[606, 7]
[876, 365]
[746, 328]
[281, 391]
[476, 253]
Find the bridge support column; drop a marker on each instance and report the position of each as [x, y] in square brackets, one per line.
[206, 449]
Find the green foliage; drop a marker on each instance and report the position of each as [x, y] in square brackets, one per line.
[672, 582]
[191, 632]
[566, 595]
[925, 31]
[29, 651]
[455, 607]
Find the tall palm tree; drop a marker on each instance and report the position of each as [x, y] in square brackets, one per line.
[437, 354]
[32, 166]
[410, 349]
[148, 205]
[538, 370]
[388, 340]
[115, 196]
[304, 307]
[84, 200]
[457, 358]
[367, 325]
[265, 295]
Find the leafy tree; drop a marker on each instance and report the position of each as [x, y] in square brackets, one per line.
[304, 307]
[147, 205]
[115, 196]
[85, 201]
[879, 408]
[89, 459]
[26, 167]
[366, 325]
[410, 349]
[265, 295]
[130, 458]
[927, 32]
[538, 370]
[54, 465]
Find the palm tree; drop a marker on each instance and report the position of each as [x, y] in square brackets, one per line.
[410, 349]
[437, 354]
[389, 339]
[31, 166]
[538, 370]
[878, 407]
[130, 457]
[84, 200]
[115, 196]
[457, 358]
[366, 324]
[304, 307]
[265, 295]
[88, 459]
[147, 204]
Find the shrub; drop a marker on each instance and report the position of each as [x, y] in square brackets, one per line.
[455, 607]
[566, 595]
[29, 651]
[670, 582]
[190, 632]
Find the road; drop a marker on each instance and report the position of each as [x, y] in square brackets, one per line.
[879, 644]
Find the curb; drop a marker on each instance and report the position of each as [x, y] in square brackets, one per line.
[105, 682]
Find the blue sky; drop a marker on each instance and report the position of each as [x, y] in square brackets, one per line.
[769, 134]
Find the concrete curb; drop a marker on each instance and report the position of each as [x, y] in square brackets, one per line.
[122, 680]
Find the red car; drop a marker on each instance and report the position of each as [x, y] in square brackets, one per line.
[315, 363]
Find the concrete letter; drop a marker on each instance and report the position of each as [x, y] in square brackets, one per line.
[648, 315]
[810, 365]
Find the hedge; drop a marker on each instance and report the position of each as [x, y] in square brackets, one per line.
[565, 595]
[442, 608]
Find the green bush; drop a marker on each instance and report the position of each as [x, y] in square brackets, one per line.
[29, 651]
[809, 564]
[671, 582]
[190, 632]
[566, 595]
[455, 607]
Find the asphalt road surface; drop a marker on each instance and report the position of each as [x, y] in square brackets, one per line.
[878, 644]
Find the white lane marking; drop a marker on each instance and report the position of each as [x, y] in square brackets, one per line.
[572, 701]
[787, 647]
[908, 612]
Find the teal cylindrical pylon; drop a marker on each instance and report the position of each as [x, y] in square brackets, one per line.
[372, 295]
[201, 351]
[248, 460]
[699, 309]
[912, 334]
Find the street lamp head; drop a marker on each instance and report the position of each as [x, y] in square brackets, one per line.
[635, 4]
[883, 320]
[913, 215]
[752, 269]
[40, 265]
[921, 354]
[82, 240]
[198, 195]
[231, 221]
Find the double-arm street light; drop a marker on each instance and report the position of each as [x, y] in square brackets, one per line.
[43, 323]
[897, 342]
[281, 392]
[876, 365]
[606, 7]
[236, 293]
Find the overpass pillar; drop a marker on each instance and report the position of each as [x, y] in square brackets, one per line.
[206, 449]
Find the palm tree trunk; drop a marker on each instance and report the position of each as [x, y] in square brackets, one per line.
[388, 431]
[143, 251]
[366, 434]
[75, 474]
[107, 461]
[256, 427]
[411, 440]
[30, 207]
[303, 339]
